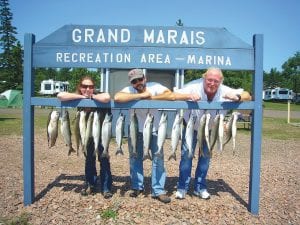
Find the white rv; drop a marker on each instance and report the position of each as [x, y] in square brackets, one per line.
[51, 87]
[278, 94]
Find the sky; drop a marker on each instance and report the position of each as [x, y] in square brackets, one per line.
[277, 20]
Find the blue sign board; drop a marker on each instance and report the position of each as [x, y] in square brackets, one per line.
[143, 47]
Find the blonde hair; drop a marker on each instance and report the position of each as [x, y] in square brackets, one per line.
[214, 69]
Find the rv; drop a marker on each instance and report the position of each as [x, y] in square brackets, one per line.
[278, 94]
[51, 87]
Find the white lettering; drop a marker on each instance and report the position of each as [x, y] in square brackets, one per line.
[148, 37]
[76, 37]
[67, 57]
[172, 34]
[155, 58]
[212, 60]
[89, 34]
[160, 37]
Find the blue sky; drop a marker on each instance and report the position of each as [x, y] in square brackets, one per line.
[277, 20]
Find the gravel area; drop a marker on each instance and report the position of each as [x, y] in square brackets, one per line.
[59, 179]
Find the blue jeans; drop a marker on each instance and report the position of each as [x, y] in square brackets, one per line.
[90, 168]
[158, 176]
[185, 166]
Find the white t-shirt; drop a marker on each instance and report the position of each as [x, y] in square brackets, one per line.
[155, 89]
[197, 86]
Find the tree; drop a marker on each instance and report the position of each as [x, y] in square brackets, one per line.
[11, 56]
[291, 72]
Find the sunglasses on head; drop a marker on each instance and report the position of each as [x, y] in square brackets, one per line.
[87, 86]
[137, 80]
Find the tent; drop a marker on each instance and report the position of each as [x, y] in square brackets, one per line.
[11, 98]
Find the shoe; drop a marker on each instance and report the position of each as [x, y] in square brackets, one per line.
[135, 193]
[163, 198]
[90, 190]
[180, 194]
[107, 194]
[203, 193]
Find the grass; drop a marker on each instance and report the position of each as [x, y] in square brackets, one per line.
[282, 106]
[19, 220]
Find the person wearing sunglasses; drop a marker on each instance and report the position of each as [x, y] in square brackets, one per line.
[140, 89]
[208, 88]
[86, 90]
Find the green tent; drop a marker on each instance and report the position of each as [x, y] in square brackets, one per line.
[11, 98]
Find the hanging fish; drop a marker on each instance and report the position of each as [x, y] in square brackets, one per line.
[147, 135]
[96, 131]
[161, 134]
[106, 134]
[189, 135]
[206, 130]
[88, 131]
[119, 133]
[214, 133]
[82, 129]
[52, 128]
[65, 129]
[200, 134]
[221, 132]
[175, 135]
[77, 132]
[133, 132]
[231, 130]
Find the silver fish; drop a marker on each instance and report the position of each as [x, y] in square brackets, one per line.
[65, 129]
[82, 129]
[230, 126]
[161, 134]
[106, 134]
[214, 133]
[200, 134]
[77, 132]
[221, 132]
[88, 132]
[52, 128]
[206, 130]
[234, 130]
[147, 135]
[119, 133]
[189, 135]
[133, 132]
[175, 135]
[96, 131]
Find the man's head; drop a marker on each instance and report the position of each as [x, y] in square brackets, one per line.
[137, 79]
[213, 77]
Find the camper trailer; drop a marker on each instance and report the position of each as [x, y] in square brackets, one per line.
[51, 87]
[278, 94]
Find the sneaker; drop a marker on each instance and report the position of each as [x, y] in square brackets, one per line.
[163, 198]
[203, 193]
[135, 193]
[180, 194]
[107, 194]
[90, 190]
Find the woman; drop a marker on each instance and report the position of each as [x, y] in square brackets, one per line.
[86, 90]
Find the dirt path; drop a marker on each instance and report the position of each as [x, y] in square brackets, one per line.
[59, 180]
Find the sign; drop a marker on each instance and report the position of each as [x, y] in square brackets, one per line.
[143, 47]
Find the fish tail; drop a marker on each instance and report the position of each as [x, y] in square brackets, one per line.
[71, 149]
[172, 156]
[119, 151]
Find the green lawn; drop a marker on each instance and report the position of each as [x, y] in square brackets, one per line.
[282, 106]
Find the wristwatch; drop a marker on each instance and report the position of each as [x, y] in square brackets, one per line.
[239, 97]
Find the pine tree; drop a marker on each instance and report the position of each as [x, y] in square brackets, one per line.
[11, 59]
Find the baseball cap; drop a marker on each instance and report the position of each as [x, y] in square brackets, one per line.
[134, 74]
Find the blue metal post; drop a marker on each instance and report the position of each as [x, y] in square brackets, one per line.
[28, 123]
[255, 160]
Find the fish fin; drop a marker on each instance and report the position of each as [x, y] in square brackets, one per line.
[172, 156]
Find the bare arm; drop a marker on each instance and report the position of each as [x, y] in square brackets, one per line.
[126, 97]
[166, 95]
[187, 97]
[245, 96]
[66, 96]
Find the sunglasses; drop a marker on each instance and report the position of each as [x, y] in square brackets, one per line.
[137, 80]
[87, 86]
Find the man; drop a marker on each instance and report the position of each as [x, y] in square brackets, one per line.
[139, 90]
[208, 88]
